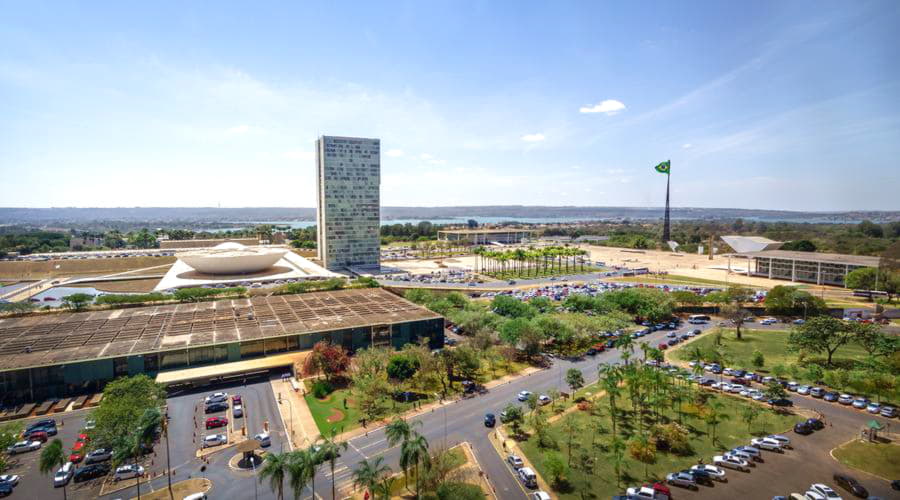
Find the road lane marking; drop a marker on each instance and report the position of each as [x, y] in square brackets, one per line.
[350, 443]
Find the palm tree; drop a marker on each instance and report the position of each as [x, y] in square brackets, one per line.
[413, 451]
[330, 450]
[369, 474]
[53, 456]
[274, 468]
[301, 469]
[398, 431]
[610, 381]
[716, 417]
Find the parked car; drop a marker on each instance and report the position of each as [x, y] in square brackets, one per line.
[47, 422]
[784, 440]
[5, 490]
[815, 423]
[528, 477]
[735, 453]
[98, 455]
[214, 440]
[216, 397]
[544, 399]
[888, 411]
[128, 471]
[825, 491]
[515, 461]
[683, 479]
[215, 407]
[845, 399]
[63, 475]
[23, 447]
[89, 472]
[751, 451]
[781, 402]
[803, 428]
[641, 493]
[716, 473]
[831, 397]
[37, 435]
[10, 479]
[731, 463]
[238, 410]
[852, 485]
[489, 420]
[816, 392]
[214, 422]
[523, 395]
[860, 403]
[804, 390]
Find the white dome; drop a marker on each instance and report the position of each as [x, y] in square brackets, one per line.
[231, 260]
[230, 245]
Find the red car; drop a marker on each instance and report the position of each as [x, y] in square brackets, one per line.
[663, 346]
[213, 422]
[77, 452]
[236, 399]
[38, 436]
[662, 488]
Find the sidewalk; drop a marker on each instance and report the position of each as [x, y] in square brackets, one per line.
[298, 421]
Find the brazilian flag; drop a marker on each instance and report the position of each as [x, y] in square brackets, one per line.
[664, 167]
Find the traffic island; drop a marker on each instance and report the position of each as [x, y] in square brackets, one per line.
[180, 489]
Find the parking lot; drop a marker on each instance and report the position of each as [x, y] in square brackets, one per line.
[186, 431]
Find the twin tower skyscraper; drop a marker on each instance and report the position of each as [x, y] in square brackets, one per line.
[348, 202]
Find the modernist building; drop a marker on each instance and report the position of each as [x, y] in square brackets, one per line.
[67, 354]
[808, 267]
[486, 236]
[348, 216]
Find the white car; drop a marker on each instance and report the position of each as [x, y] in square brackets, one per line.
[238, 410]
[23, 446]
[731, 463]
[751, 451]
[528, 477]
[736, 388]
[523, 395]
[784, 440]
[642, 493]
[63, 475]
[825, 491]
[813, 495]
[128, 472]
[544, 399]
[714, 472]
[540, 495]
[515, 461]
[264, 439]
[803, 389]
[216, 397]
[682, 479]
[214, 440]
[12, 479]
[767, 444]
[741, 455]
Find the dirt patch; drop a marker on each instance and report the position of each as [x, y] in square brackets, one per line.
[336, 416]
[180, 489]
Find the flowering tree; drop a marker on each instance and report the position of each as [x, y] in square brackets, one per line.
[328, 359]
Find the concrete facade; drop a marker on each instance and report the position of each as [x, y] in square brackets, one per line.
[348, 214]
[486, 236]
[807, 267]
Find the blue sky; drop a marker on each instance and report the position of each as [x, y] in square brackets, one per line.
[782, 105]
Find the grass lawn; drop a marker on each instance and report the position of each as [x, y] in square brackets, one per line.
[773, 345]
[600, 480]
[881, 459]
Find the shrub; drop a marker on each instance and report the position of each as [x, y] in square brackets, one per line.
[402, 367]
[453, 490]
[322, 388]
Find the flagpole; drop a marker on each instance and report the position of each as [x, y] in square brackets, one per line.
[666, 235]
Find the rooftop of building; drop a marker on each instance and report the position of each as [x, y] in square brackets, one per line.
[829, 258]
[50, 339]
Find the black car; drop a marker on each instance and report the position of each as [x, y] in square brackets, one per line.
[450, 341]
[92, 471]
[6, 489]
[803, 428]
[831, 396]
[815, 423]
[701, 476]
[216, 407]
[49, 429]
[781, 402]
[851, 485]
[591, 352]
[47, 422]
[489, 420]
[895, 484]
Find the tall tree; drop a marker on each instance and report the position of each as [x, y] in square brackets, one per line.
[275, 468]
[301, 468]
[369, 473]
[52, 457]
[821, 334]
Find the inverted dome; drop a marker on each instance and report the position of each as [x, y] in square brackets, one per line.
[232, 260]
[230, 245]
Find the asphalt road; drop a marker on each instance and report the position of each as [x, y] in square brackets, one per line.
[495, 285]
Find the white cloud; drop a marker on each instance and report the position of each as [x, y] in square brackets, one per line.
[299, 155]
[533, 137]
[608, 107]
[687, 146]
[240, 129]
[425, 156]
[576, 167]
[394, 153]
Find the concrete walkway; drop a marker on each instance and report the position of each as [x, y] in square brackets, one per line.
[295, 414]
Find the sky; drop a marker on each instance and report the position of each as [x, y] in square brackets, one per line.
[770, 105]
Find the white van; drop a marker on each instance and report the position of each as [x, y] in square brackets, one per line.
[528, 477]
[63, 475]
[698, 319]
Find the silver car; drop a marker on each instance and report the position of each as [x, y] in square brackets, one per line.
[682, 479]
[214, 440]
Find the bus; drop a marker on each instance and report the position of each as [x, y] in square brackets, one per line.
[697, 319]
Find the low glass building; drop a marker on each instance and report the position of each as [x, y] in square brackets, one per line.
[67, 354]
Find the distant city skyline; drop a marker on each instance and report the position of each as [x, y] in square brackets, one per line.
[780, 105]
